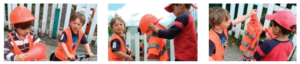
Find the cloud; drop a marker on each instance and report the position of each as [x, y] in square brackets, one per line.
[131, 13]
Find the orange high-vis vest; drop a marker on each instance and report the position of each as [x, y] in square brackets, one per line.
[16, 49]
[251, 38]
[269, 33]
[157, 50]
[219, 54]
[111, 55]
[59, 53]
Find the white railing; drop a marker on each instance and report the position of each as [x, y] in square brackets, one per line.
[270, 8]
[83, 8]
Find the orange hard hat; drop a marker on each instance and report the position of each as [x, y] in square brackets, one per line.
[20, 14]
[145, 21]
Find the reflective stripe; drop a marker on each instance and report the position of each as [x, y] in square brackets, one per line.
[245, 44]
[256, 44]
[247, 53]
[250, 36]
[153, 45]
[162, 51]
[152, 59]
[152, 34]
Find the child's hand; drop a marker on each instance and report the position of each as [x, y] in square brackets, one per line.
[91, 55]
[20, 57]
[128, 50]
[153, 28]
[254, 11]
[72, 57]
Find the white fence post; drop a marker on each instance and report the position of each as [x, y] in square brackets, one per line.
[137, 46]
[86, 14]
[59, 18]
[238, 26]
[259, 10]
[232, 10]
[52, 20]
[93, 26]
[270, 11]
[224, 5]
[44, 22]
[172, 51]
[36, 14]
[68, 12]
[78, 7]
[145, 47]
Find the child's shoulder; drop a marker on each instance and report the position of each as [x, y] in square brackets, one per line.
[184, 15]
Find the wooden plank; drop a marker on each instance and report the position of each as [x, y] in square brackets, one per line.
[30, 8]
[59, 19]
[259, 10]
[224, 5]
[9, 9]
[232, 10]
[145, 47]
[68, 12]
[282, 6]
[87, 16]
[137, 47]
[52, 20]
[45, 15]
[93, 26]
[78, 7]
[240, 13]
[270, 11]
[172, 51]
[21, 4]
[36, 21]
[293, 10]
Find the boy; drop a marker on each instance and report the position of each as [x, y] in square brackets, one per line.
[279, 48]
[21, 39]
[70, 39]
[157, 50]
[219, 19]
[118, 50]
[183, 32]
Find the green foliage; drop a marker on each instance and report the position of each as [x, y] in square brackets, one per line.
[196, 23]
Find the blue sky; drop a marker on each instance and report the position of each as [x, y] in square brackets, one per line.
[131, 13]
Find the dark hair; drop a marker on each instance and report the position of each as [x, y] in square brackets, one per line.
[24, 25]
[113, 21]
[188, 6]
[283, 30]
[78, 15]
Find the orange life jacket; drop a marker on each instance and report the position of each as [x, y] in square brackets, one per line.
[251, 38]
[111, 55]
[157, 50]
[219, 54]
[16, 49]
[59, 53]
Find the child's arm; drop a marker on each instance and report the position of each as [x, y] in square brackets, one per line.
[8, 52]
[211, 59]
[164, 27]
[128, 50]
[88, 50]
[64, 47]
[262, 50]
[243, 18]
[121, 54]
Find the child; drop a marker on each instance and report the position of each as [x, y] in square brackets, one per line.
[21, 39]
[117, 46]
[70, 39]
[279, 48]
[156, 49]
[219, 19]
[183, 32]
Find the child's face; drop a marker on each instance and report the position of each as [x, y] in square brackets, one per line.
[118, 27]
[224, 24]
[22, 32]
[177, 9]
[76, 24]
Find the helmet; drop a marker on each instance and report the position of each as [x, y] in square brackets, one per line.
[20, 14]
[145, 21]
